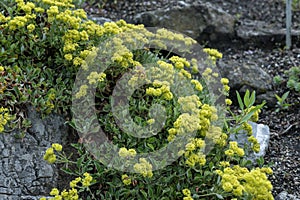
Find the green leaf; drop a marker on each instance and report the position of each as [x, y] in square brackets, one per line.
[252, 99]
[284, 96]
[219, 196]
[144, 193]
[247, 98]
[240, 100]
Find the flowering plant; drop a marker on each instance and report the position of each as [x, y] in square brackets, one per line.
[47, 43]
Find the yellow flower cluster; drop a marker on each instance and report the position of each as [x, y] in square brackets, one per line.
[179, 62]
[255, 143]
[197, 84]
[190, 104]
[71, 19]
[5, 117]
[126, 179]
[255, 115]
[60, 3]
[225, 83]
[71, 194]
[30, 28]
[248, 128]
[228, 101]
[95, 77]
[122, 55]
[193, 152]
[151, 121]
[86, 181]
[187, 123]
[27, 8]
[183, 73]
[164, 34]
[216, 134]
[165, 71]
[162, 90]
[4, 19]
[49, 156]
[144, 168]
[123, 152]
[82, 91]
[208, 74]
[207, 114]
[239, 180]
[213, 54]
[17, 22]
[234, 150]
[187, 194]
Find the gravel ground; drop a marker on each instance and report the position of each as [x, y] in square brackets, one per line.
[284, 149]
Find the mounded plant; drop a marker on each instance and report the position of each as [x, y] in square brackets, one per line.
[123, 74]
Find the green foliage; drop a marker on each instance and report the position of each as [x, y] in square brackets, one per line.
[296, 5]
[281, 102]
[45, 43]
[277, 80]
[293, 78]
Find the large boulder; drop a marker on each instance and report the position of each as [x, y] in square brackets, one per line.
[245, 75]
[196, 20]
[23, 172]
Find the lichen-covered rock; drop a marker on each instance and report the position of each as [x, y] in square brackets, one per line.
[243, 76]
[23, 172]
[196, 20]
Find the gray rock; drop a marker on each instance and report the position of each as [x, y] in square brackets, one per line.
[99, 20]
[244, 76]
[23, 172]
[285, 196]
[195, 19]
[253, 29]
[262, 133]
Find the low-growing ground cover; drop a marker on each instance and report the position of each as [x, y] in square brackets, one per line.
[53, 36]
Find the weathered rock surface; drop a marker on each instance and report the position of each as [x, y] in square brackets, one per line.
[285, 196]
[262, 133]
[254, 28]
[23, 172]
[196, 20]
[246, 75]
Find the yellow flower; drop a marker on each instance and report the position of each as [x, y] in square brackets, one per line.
[227, 187]
[190, 147]
[125, 179]
[144, 168]
[30, 28]
[68, 57]
[86, 181]
[186, 192]
[54, 192]
[57, 147]
[74, 182]
[197, 84]
[224, 81]
[187, 198]
[228, 102]
[82, 91]
[123, 152]
[224, 164]
[229, 152]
